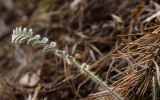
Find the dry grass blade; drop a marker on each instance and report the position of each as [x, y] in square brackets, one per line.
[154, 90]
[157, 72]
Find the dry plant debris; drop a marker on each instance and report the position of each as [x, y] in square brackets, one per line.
[113, 36]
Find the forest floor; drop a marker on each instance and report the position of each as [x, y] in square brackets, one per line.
[118, 38]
